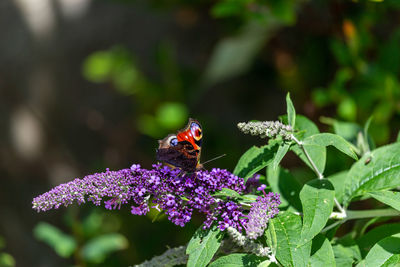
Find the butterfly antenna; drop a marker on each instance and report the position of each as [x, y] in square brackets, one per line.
[223, 155]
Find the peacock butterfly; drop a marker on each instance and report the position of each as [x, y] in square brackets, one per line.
[182, 150]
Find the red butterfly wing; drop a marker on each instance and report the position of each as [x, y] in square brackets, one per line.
[183, 149]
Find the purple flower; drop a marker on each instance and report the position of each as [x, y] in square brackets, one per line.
[178, 194]
[252, 183]
[263, 209]
[261, 187]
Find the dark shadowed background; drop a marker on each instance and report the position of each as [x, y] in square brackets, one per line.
[87, 85]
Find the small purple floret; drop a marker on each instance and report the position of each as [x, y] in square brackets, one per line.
[177, 194]
[265, 208]
[261, 187]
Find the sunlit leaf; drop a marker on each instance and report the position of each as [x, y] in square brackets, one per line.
[291, 112]
[317, 201]
[388, 197]
[282, 150]
[226, 192]
[366, 242]
[384, 253]
[287, 228]
[322, 253]
[328, 139]
[375, 171]
[203, 245]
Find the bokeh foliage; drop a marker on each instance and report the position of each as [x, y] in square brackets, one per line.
[339, 59]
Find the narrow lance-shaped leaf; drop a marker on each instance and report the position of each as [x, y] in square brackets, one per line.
[375, 171]
[226, 192]
[203, 245]
[291, 112]
[282, 150]
[317, 199]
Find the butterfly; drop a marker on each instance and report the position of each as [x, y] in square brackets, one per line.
[182, 150]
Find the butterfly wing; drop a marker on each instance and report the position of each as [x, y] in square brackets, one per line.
[183, 149]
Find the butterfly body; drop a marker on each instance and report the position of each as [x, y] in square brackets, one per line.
[182, 150]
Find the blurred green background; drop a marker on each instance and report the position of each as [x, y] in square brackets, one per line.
[91, 84]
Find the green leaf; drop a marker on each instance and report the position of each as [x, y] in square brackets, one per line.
[384, 253]
[322, 253]
[375, 171]
[306, 128]
[366, 242]
[338, 182]
[226, 192]
[369, 142]
[361, 264]
[255, 159]
[283, 182]
[248, 198]
[282, 150]
[287, 227]
[388, 197]
[98, 248]
[317, 154]
[398, 137]
[317, 199]
[328, 139]
[350, 244]
[63, 244]
[347, 130]
[291, 112]
[343, 256]
[237, 260]
[203, 245]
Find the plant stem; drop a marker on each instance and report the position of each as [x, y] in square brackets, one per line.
[319, 174]
[300, 144]
[358, 214]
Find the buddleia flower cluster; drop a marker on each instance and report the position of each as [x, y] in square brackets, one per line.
[264, 129]
[263, 209]
[177, 194]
